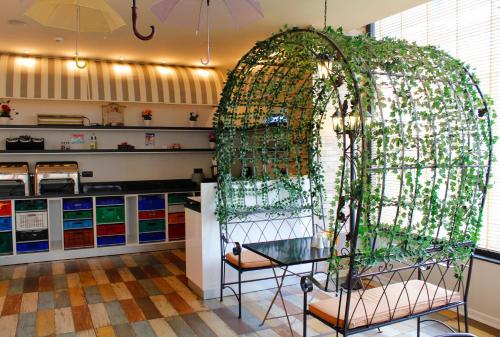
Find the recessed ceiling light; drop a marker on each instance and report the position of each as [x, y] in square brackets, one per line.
[16, 22]
[121, 58]
[163, 61]
[26, 51]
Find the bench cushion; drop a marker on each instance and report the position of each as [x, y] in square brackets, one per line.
[377, 307]
[249, 260]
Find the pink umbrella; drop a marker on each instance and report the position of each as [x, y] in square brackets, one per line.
[230, 13]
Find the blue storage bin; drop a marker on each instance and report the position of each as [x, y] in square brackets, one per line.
[77, 224]
[6, 223]
[152, 237]
[28, 247]
[110, 240]
[75, 204]
[151, 202]
[106, 201]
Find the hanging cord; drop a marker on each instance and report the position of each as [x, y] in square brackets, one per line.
[208, 36]
[77, 59]
[324, 18]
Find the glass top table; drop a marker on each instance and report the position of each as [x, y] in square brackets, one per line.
[286, 253]
[290, 252]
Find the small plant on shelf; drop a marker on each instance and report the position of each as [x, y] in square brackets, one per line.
[211, 140]
[6, 112]
[193, 118]
[147, 116]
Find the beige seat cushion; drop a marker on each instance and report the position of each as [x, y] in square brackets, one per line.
[249, 260]
[377, 306]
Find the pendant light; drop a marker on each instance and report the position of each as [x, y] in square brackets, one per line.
[77, 57]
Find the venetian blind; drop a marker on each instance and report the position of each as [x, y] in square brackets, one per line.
[470, 31]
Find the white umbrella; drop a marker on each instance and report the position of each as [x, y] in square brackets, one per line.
[195, 13]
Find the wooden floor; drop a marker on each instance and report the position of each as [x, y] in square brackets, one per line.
[144, 295]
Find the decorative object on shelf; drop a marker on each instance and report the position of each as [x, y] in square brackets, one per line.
[6, 112]
[126, 146]
[175, 146]
[113, 114]
[211, 140]
[197, 176]
[147, 116]
[194, 13]
[213, 167]
[24, 142]
[94, 16]
[193, 118]
[77, 141]
[134, 25]
[93, 142]
[44, 119]
[149, 139]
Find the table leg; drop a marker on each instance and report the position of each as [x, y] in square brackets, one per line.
[278, 292]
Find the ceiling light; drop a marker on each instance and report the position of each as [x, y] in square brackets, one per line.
[202, 72]
[122, 68]
[26, 51]
[121, 58]
[28, 62]
[164, 70]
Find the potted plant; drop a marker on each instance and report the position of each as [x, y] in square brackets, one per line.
[6, 112]
[193, 118]
[147, 116]
[211, 140]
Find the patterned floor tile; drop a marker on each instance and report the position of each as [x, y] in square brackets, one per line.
[146, 295]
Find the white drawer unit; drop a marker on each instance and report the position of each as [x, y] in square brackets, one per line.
[31, 221]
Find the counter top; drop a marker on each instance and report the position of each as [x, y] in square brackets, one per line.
[123, 188]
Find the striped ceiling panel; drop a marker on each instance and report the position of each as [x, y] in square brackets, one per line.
[60, 79]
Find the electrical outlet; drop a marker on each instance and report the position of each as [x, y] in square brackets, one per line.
[87, 174]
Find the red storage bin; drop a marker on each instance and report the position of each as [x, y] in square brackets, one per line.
[176, 232]
[5, 208]
[114, 229]
[78, 238]
[176, 218]
[146, 215]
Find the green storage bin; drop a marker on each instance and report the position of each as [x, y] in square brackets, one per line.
[110, 214]
[157, 225]
[6, 243]
[77, 215]
[31, 205]
[178, 198]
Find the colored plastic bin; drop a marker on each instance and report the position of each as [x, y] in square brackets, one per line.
[77, 215]
[6, 243]
[151, 202]
[110, 240]
[146, 215]
[75, 204]
[110, 214]
[5, 223]
[107, 201]
[114, 229]
[32, 247]
[31, 205]
[80, 238]
[77, 224]
[152, 237]
[151, 226]
[37, 235]
[5, 208]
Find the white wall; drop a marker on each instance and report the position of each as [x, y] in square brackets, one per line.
[112, 167]
[484, 293]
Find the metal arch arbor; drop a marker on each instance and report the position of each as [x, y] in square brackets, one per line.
[414, 133]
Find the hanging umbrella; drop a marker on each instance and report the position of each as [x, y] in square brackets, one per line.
[196, 13]
[76, 15]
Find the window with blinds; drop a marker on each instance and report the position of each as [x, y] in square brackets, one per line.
[470, 31]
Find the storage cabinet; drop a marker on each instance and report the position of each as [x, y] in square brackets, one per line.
[78, 223]
[32, 228]
[110, 221]
[176, 217]
[151, 215]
